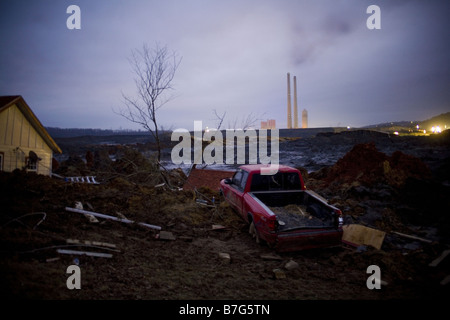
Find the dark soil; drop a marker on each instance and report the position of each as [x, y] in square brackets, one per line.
[382, 193]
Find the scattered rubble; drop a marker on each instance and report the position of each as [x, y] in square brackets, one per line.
[225, 256]
[104, 216]
[291, 265]
[166, 235]
[129, 261]
[279, 274]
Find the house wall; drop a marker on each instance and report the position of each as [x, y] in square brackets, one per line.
[18, 138]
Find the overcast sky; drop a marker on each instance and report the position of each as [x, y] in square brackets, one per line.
[235, 57]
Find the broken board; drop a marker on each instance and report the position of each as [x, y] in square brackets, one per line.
[356, 235]
[166, 235]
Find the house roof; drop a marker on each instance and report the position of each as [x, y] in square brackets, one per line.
[8, 101]
[206, 178]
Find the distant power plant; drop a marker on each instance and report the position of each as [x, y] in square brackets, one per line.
[295, 103]
[269, 124]
[289, 113]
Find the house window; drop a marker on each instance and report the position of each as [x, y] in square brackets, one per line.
[31, 164]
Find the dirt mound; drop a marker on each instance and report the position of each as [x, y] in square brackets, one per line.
[388, 192]
[368, 166]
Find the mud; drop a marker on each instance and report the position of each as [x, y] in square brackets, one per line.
[381, 192]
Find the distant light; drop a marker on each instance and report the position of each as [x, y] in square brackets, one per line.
[433, 129]
[396, 133]
[348, 127]
[424, 131]
[438, 129]
[417, 127]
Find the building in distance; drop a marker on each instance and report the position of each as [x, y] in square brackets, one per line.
[304, 118]
[268, 125]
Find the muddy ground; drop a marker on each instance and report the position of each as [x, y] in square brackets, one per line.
[389, 192]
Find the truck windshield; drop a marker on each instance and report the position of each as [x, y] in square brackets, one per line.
[278, 181]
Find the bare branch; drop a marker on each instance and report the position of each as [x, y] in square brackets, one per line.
[220, 118]
[154, 71]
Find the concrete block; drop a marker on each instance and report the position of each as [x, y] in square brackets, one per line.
[291, 265]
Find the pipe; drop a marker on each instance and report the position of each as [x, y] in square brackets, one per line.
[100, 215]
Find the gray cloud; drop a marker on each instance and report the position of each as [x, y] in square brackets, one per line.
[235, 58]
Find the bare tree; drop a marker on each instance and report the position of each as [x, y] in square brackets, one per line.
[246, 122]
[220, 118]
[154, 70]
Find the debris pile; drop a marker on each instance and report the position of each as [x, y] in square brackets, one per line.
[391, 193]
[197, 248]
[365, 165]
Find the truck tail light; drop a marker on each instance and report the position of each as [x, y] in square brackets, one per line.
[272, 225]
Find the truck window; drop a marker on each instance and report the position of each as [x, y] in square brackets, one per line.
[292, 181]
[279, 181]
[244, 180]
[240, 179]
[237, 178]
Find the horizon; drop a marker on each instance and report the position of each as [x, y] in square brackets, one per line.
[168, 130]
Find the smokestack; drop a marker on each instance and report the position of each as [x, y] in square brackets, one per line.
[295, 104]
[289, 116]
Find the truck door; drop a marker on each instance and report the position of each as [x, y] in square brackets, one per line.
[235, 196]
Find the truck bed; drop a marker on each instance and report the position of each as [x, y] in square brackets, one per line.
[297, 209]
[291, 216]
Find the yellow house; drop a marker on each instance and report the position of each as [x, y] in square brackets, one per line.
[24, 142]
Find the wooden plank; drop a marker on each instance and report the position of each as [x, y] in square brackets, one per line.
[445, 281]
[92, 243]
[356, 234]
[436, 261]
[104, 216]
[271, 256]
[412, 237]
[87, 253]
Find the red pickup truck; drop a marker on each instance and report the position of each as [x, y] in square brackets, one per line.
[280, 211]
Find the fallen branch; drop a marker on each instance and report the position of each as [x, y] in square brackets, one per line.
[26, 215]
[104, 216]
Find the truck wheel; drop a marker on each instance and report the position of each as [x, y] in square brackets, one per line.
[252, 230]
